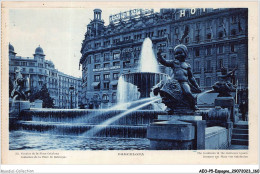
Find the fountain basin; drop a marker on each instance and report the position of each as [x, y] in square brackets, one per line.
[144, 81]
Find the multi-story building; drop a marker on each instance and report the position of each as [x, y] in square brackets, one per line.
[66, 92]
[41, 71]
[214, 37]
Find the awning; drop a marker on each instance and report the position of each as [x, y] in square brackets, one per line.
[114, 82]
[95, 84]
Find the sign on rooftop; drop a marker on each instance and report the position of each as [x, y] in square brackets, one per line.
[135, 13]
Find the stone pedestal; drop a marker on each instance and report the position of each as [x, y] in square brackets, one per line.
[178, 133]
[14, 110]
[227, 102]
[17, 106]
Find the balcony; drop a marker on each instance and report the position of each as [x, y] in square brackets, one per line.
[208, 70]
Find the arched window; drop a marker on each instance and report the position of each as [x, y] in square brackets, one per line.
[105, 98]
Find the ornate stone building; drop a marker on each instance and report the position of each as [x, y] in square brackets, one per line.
[214, 37]
[40, 71]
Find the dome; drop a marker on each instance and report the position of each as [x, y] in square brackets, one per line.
[39, 50]
[11, 48]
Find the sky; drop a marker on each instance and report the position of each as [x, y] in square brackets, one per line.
[59, 31]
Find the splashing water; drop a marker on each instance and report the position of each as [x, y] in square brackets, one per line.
[117, 107]
[121, 90]
[148, 62]
[12, 106]
[96, 129]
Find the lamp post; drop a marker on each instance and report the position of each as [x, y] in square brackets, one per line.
[71, 91]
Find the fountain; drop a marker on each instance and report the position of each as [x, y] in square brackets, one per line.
[127, 121]
[144, 79]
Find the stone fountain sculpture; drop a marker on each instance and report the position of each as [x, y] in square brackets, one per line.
[224, 86]
[176, 92]
[21, 86]
[19, 96]
[181, 129]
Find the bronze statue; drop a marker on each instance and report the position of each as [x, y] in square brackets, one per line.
[176, 93]
[226, 83]
[20, 86]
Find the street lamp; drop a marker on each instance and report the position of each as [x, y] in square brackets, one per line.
[71, 91]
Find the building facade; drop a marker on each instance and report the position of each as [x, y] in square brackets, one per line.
[41, 71]
[214, 37]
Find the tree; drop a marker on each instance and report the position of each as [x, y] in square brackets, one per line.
[44, 95]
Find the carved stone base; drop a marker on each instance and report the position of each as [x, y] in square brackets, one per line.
[178, 133]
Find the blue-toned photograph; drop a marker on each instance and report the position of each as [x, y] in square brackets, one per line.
[128, 79]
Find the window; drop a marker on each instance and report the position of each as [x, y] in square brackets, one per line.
[106, 76]
[126, 64]
[208, 66]
[97, 66]
[233, 32]
[209, 23]
[208, 51]
[127, 38]
[115, 76]
[221, 21]
[89, 60]
[40, 65]
[105, 97]
[30, 70]
[197, 52]
[114, 97]
[208, 81]
[116, 40]
[176, 30]
[233, 62]
[31, 64]
[114, 87]
[220, 34]
[96, 58]
[107, 43]
[97, 78]
[209, 36]
[16, 63]
[106, 57]
[24, 63]
[97, 45]
[197, 66]
[116, 63]
[221, 49]
[220, 64]
[106, 65]
[232, 47]
[197, 38]
[138, 36]
[233, 19]
[106, 85]
[116, 56]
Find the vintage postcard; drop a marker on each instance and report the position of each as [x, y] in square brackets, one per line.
[129, 83]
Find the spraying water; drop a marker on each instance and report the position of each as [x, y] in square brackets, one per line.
[121, 92]
[96, 129]
[148, 62]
